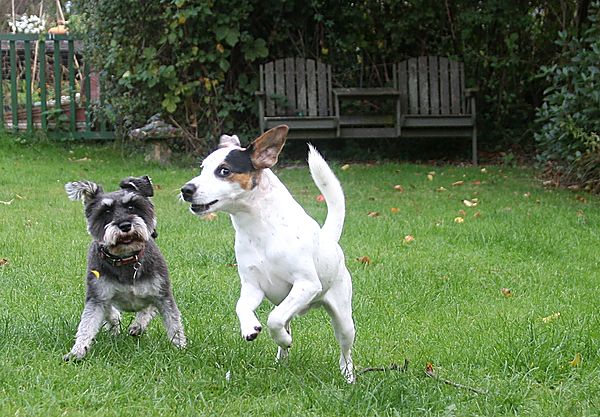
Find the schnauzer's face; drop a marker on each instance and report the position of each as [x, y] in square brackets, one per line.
[121, 220]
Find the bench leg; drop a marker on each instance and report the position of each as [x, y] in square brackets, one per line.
[474, 145]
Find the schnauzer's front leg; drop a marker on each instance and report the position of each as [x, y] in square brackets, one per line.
[113, 320]
[172, 320]
[142, 319]
[250, 299]
[91, 321]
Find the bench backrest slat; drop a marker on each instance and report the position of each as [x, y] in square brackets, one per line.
[296, 87]
[431, 85]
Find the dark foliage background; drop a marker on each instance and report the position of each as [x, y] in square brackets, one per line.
[197, 60]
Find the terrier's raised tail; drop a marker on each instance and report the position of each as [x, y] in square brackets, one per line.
[331, 189]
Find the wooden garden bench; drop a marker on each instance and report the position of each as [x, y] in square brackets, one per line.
[434, 101]
[429, 99]
[297, 92]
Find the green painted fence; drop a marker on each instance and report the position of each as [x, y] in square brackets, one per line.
[46, 84]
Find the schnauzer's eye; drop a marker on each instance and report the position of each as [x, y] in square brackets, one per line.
[108, 210]
[130, 208]
[223, 172]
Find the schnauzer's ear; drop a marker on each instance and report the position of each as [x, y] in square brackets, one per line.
[227, 140]
[82, 190]
[138, 185]
[266, 148]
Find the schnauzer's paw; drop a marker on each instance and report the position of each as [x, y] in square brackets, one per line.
[76, 354]
[114, 330]
[253, 334]
[136, 329]
[179, 341]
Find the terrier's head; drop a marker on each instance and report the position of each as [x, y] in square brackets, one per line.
[122, 221]
[231, 171]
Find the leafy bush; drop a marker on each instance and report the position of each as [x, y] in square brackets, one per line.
[568, 138]
[197, 60]
[173, 56]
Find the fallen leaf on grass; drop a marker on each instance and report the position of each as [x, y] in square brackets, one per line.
[477, 214]
[483, 170]
[429, 369]
[430, 177]
[476, 182]
[345, 167]
[506, 292]
[320, 198]
[7, 203]
[462, 212]
[409, 238]
[3, 261]
[441, 189]
[551, 317]
[399, 188]
[527, 195]
[581, 199]
[373, 214]
[576, 360]
[459, 220]
[394, 210]
[364, 260]
[209, 217]
[470, 203]
[454, 184]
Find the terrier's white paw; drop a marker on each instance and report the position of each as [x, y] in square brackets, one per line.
[252, 333]
[282, 354]
[281, 337]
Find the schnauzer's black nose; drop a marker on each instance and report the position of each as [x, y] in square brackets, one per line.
[125, 226]
[187, 191]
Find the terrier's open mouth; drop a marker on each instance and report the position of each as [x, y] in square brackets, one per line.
[200, 208]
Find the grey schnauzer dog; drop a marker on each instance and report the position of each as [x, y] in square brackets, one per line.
[125, 269]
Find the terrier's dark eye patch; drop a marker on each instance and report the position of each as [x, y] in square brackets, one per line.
[238, 161]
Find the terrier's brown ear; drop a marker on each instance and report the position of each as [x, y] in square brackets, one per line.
[82, 190]
[139, 185]
[266, 148]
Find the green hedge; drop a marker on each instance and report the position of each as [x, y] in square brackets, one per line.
[568, 138]
[197, 60]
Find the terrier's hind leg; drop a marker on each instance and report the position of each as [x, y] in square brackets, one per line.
[338, 303]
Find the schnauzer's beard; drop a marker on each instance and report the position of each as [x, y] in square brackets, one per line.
[119, 242]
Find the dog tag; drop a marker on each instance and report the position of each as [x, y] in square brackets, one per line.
[96, 273]
[136, 268]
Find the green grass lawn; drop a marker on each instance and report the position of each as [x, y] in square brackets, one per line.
[435, 299]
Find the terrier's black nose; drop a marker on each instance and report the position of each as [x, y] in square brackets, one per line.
[125, 226]
[187, 191]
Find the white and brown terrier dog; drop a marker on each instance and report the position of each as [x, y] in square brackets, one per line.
[282, 253]
[125, 270]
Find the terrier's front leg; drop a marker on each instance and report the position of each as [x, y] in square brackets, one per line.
[250, 299]
[91, 321]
